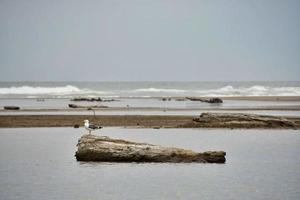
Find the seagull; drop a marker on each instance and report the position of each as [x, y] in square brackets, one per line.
[90, 127]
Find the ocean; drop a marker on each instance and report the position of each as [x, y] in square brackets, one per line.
[146, 89]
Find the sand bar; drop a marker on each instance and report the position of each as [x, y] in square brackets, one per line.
[145, 121]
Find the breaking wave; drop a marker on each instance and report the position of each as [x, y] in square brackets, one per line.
[256, 90]
[71, 91]
[67, 90]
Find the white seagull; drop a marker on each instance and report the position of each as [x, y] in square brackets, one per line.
[90, 127]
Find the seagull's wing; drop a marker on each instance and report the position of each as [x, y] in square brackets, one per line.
[92, 126]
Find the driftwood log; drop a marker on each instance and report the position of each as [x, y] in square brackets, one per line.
[91, 99]
[210, 100]
[86, 99]
[88, 107]
[240, 120]
[105, 149]
[11, 108]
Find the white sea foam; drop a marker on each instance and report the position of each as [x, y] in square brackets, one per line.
[29, 91]
[256, 90]
[70, 90]
[39, 90]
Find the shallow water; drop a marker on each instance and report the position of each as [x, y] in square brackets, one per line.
[39, 163]
[151, 112]
[145, 103]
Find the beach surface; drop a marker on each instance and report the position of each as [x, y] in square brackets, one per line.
[145, 121]
[154, 112]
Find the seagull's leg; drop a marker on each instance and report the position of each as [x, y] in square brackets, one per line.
[90, 132]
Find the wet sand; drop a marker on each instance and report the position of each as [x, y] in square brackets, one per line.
[145, 121]
[103, 120]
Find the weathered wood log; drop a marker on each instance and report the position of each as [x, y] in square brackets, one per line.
[11, 108]
[91, 99]
[105, 149]
[240, 120]
[88, 107]
[86, 99]
[210, 100]
[180, 99]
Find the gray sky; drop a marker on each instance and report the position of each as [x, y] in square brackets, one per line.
[156, 40]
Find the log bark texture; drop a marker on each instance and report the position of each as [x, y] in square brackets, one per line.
[105, 149]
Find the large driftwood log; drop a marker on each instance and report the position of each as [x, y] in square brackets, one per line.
[101, 148]
[240, 120]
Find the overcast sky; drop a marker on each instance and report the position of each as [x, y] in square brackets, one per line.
[149, 40]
